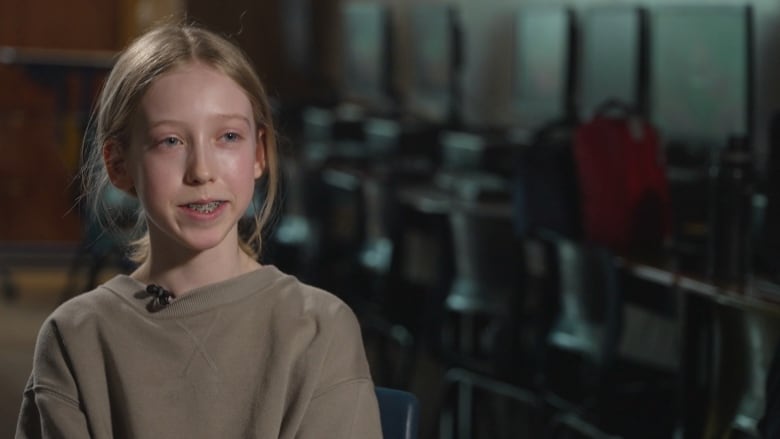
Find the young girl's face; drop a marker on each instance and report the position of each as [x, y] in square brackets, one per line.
[193, 160]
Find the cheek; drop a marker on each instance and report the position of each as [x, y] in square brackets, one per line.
[239, 174]
[156, 176]
[240, 166]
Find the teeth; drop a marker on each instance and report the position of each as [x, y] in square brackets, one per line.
[205, 207]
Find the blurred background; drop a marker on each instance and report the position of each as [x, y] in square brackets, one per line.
[553, 219]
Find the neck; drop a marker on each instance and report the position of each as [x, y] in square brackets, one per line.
[181, 274]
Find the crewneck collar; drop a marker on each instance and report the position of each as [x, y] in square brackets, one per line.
[197, 300]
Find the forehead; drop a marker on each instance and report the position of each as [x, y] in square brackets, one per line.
[194, 91]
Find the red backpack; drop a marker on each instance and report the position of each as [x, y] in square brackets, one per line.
[623, 184]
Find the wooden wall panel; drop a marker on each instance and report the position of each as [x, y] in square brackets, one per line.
[35, 193]
[43, 108]
[72, 24]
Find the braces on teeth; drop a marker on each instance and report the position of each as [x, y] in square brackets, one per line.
[206, 207]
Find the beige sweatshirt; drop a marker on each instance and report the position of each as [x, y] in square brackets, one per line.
[257, 356]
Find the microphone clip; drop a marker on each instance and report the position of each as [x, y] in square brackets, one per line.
[162, 297]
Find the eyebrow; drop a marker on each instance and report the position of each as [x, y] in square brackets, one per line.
[235, 116]
[240, 117]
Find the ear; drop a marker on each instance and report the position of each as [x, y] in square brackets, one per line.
[260, 153]
[116, 166]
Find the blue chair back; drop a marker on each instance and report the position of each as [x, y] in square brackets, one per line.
[399, 412]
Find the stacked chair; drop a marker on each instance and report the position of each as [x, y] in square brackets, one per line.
[502, 247]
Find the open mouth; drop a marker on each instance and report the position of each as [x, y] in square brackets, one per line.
[209, 207]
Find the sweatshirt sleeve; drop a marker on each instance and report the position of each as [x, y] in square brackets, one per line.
[50, 407]
[345, 404]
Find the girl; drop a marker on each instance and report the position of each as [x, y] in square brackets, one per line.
[200, 341]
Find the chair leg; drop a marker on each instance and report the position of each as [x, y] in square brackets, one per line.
[466, 386]
[447, 412]
[9, 291]
[465, 407]
[72, 287]
[572, 426]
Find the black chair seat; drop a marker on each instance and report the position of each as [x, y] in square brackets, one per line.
[399, 412]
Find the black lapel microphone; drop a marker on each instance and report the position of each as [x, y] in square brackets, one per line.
[162, 296]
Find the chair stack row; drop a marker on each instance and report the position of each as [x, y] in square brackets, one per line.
[447, 207]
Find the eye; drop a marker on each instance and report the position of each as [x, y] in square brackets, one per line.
[232, 136]
[169, 141]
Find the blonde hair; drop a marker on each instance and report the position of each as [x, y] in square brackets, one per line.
[144, 60]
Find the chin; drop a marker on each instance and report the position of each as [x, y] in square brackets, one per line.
[205, 243]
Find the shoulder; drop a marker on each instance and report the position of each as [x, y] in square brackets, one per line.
[305, 299]
[74, 326]
[89, 309]
[291, 303]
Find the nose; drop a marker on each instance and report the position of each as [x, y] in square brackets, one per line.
[200, 164]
